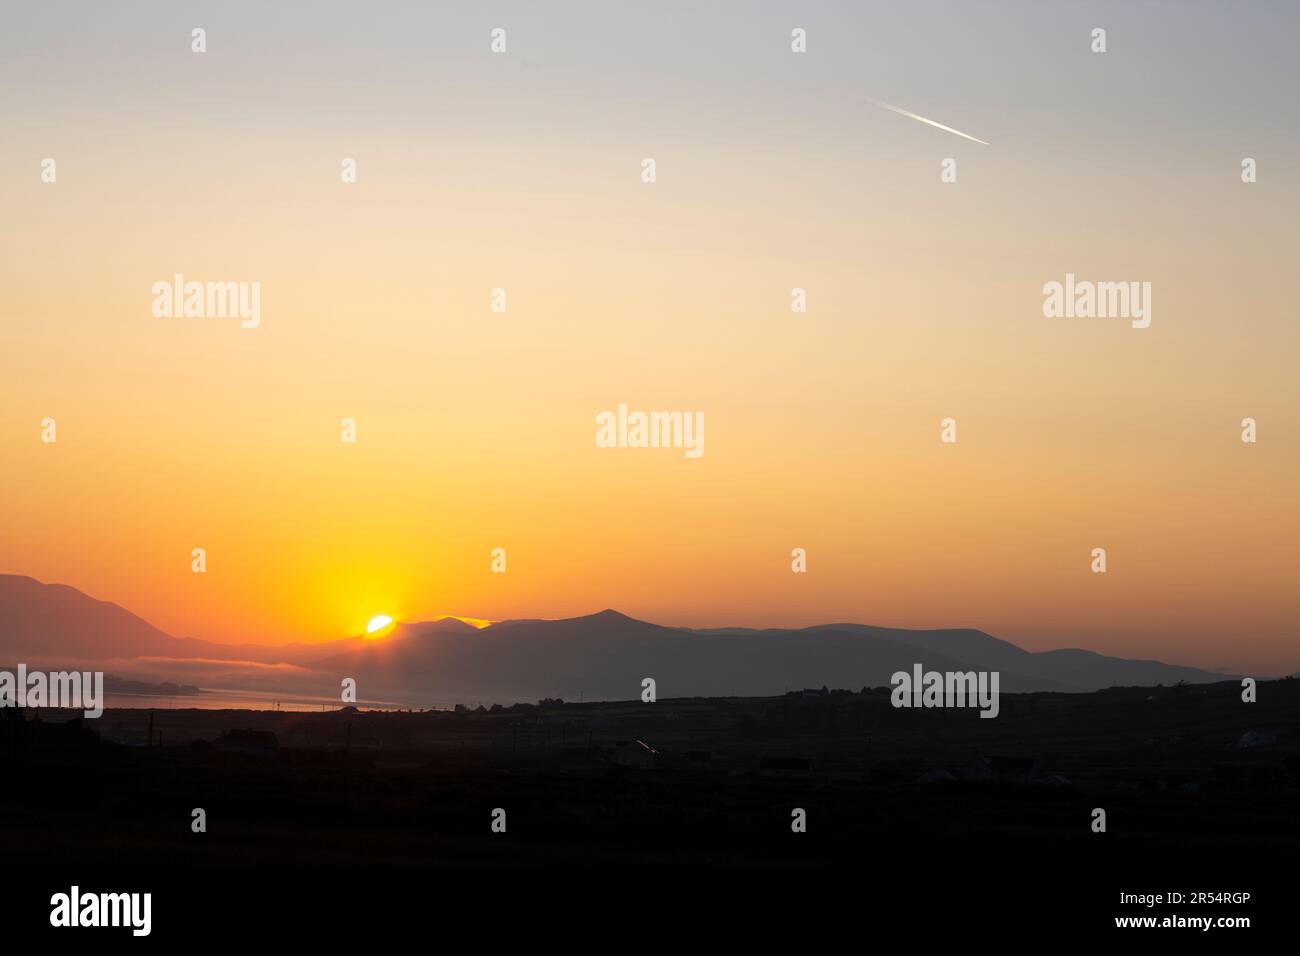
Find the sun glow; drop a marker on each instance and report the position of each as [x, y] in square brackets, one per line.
[377, 624]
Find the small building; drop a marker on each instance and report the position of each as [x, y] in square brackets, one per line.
[1253, 738]
[64, 737]
[254, 743]
[785, 766]
[635, 753]
[1016, 770]
[937, 775]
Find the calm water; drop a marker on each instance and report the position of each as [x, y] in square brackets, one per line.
[230, 699]
[219, 699]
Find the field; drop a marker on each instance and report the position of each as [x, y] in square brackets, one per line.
[877, 784]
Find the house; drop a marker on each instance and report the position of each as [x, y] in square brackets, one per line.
[1017, 770]
[635, 753]
[73, 736]
[937, 775]
[785, 766]
[1253, 738]
[255, 743]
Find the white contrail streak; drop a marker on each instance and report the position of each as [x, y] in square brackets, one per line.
[931, 122]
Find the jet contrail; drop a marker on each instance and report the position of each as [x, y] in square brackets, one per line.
[931, 122]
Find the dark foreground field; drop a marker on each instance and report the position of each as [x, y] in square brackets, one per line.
[1168, 765]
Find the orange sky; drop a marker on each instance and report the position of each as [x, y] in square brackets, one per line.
[476, 430]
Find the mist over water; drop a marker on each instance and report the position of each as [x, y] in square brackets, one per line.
[233, 699]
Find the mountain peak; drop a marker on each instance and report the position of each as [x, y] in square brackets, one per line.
[609, 614]
[611, 619]
[443, 625]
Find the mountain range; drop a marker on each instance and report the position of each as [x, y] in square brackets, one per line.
[599, 656]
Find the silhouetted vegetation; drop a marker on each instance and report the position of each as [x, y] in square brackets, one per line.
[1180, 770]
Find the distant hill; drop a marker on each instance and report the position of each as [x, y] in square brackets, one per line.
[606, 655]
[600, 656]
[1076, 669]
[56, 620]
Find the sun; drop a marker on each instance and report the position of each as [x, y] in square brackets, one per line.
[377, 624]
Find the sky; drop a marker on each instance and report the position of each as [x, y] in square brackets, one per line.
[775, 170]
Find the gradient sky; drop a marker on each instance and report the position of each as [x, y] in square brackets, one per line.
[476, 430]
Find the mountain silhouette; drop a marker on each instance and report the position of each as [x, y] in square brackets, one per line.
[605, 655]
[56, 620]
